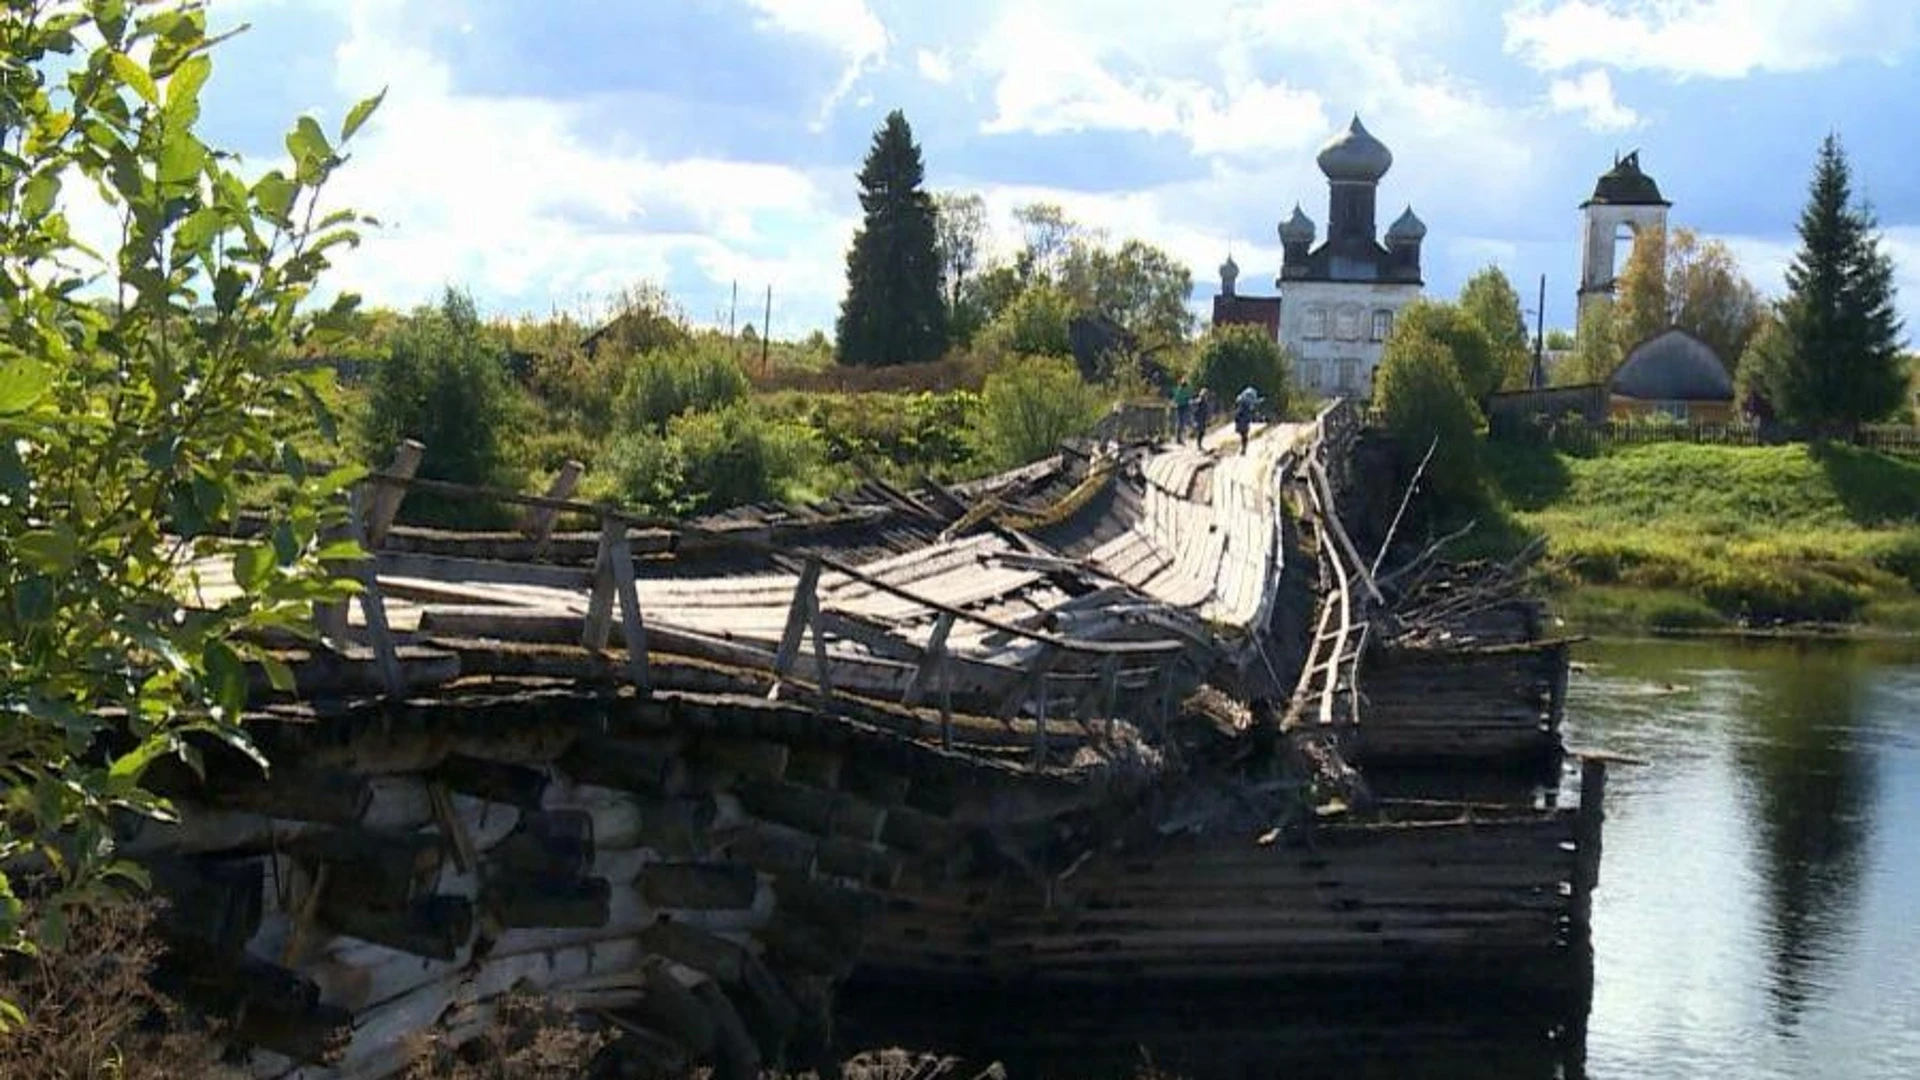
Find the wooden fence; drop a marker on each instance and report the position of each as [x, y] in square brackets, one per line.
[1571, 433]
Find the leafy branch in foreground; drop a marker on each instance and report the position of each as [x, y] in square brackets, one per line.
[138, 386]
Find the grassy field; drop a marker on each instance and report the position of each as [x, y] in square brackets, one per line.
[1675, 536]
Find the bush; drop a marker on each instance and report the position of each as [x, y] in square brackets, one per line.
[444, 383]
[737, 456]
[697, 376]
[1420, 397]
[1899, 555]
[1232, 358]
[899, 437]
[1472, 351]
[1035, 324]
[645, 472]
[1030, 406]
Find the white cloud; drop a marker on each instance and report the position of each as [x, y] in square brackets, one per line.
[1765, 259]
[935, 67]
[849, 27]
[1591, 95]
[1713, 38]
[517, 198]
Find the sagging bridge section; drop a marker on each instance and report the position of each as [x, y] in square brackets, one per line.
[1095, 721]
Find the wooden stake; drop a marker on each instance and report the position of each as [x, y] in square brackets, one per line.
[538, 521]
[387, 493]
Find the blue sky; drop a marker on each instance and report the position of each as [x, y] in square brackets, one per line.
[543, 155]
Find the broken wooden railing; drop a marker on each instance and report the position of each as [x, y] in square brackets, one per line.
[613, 591]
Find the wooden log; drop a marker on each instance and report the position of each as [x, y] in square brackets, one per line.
[520, 903]
[378, 869]
[772, 849]
[766, 1009]
[224, 983]
[691, 947]
[674, 1010]
[635, 763]
[514, 785]
[865, 863]
[328, 796]
[834, 909]
[815, 766]
[920, 832]
[735, 1057]
[317, 1036]
[436, 927]
[633, 627]
[547, 843]
[719, 762]
[214, 904]
[699, 886]
[678, 828]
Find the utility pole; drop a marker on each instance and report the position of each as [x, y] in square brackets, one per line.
[733, 309]
[766, 332]
[1540, 339]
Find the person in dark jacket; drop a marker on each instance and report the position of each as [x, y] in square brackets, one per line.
[1243, 408]
[1202, 405]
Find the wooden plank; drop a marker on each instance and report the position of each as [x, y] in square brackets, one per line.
[799, 616]
[464, 571]
[630, 621]
[537, 521]
[599, 621]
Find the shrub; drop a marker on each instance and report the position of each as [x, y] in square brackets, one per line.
[1035, 324]
[1030, 406]
[1232, 358]
[645, 472]
[445, 384]
[697, 376]
[1472, 351]
[737, 456]
[896, 436]
[1421, 398]
[1900, 555]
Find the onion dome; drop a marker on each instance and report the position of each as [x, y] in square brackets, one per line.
[1297, 229]
[1408, 228]
[1355, 155]
[1229, 274]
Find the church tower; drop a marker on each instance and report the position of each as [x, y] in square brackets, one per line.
[1624, 199]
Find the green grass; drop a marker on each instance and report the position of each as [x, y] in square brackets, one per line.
[1678, 536]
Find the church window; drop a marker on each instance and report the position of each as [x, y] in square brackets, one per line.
[1316, 322]
[1347, 325]
[1349, 374]
[1382, 324]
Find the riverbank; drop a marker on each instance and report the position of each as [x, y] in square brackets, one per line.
[1674, 537]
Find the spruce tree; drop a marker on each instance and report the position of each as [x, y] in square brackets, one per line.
[1842, 364]
[893, 312]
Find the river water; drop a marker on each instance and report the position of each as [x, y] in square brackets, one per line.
[1759, 905]
[1758, 914]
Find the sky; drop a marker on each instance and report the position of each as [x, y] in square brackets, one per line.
[544, 155]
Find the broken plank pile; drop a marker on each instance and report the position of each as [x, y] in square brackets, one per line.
[1491, 704]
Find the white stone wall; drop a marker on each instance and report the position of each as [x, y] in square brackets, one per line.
[1601, 236]
[1336, 330]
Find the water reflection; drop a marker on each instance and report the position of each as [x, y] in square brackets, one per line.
[1815, 785]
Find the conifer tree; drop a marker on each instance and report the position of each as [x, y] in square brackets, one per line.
[893, 312]
[1842, 365]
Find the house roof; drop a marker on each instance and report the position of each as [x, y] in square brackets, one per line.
[1672, 365]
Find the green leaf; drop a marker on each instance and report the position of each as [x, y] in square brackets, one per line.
[181, 158]
[134, 75]
[130, 766]
[11, 1018]
[23, 383]
[278, 673]
[225, 678]
[197, 231]
[359, 114]
[49, 551]
[252, 565]
[274, 195]
[41, 192]
[308, 144]
[183, 89]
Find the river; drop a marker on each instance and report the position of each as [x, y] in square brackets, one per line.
[1758, 913]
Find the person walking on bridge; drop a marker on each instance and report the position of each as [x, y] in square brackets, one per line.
[1182, 405]
[1243, 408]
[1202, 404]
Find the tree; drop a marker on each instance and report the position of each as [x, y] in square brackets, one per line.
[1030, 405]
[1492, 302]
[1560, 340]
[444, 383]
[1761, 368]
[1467, 344]
[961, 232]
[1641, 306]
[1046, 232]
[1596, 350]
[130, 431]
[893, 312]
[1423, 401]
[1233, 357]
[1709, 296]
[1843, 365]
[1137, 285]
[1036, 323]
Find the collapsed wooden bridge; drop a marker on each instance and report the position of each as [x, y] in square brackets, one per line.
[1094, 721]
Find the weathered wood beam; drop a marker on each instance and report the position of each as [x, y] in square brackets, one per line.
[389, 489]
[537, 521]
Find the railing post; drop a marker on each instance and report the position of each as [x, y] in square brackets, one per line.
[620, 554]
[799, 616]
[373, 607]
[1040, 724]
[387, 494]
[538, 521]
[599, 625]
[933, 664]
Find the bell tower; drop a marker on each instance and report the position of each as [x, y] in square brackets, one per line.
[1625, 200]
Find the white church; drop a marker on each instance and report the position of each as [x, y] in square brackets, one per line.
[1338, 297]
